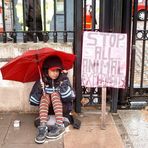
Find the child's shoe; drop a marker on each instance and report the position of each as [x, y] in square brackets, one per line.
[55, 131]
[41, 134]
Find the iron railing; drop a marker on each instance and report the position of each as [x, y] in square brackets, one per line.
[14, 21]
[138, 75]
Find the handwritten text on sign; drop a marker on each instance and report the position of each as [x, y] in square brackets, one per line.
[104, 59]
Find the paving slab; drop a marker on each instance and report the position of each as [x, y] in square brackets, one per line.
[91, 136]
[23, 136]
[45, 145]
[136, 125]
[5, 121]
[3, 132]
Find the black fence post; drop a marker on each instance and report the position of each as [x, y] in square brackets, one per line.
[116, 27]
[126, 28]
[4, 23]
[105, 16]
[78, 15]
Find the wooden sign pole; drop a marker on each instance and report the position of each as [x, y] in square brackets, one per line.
[103, 108]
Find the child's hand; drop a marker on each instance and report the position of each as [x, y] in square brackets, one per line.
[42, 85]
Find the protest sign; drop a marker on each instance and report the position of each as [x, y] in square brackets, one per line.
[104, 59]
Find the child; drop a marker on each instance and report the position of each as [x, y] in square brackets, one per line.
[58, 95]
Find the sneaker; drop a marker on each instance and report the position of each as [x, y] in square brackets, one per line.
[55, 131]
[41, 134]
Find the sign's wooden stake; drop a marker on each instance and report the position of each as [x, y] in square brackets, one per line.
[103, 108]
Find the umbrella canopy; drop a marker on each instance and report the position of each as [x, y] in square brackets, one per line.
[26, 68]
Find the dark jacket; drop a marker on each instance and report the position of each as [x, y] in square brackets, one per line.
[61, 85]
[30, 10]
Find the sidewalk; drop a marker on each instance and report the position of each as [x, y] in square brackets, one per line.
[89, 135]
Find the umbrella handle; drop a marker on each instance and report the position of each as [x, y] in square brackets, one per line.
[41, 80]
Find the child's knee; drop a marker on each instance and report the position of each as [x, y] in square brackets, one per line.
[55, 95]
[45, 97]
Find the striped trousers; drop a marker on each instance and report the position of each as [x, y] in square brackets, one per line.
[45, 102]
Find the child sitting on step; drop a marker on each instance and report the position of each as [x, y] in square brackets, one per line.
[58, 96]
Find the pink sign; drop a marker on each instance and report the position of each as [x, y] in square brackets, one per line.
[104, 59]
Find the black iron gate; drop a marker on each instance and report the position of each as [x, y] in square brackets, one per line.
[114, 16]
[122, 16]
[138, 90]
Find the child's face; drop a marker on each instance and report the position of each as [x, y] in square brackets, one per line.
[53, 74]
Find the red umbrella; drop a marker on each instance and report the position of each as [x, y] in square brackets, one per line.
[26, 68]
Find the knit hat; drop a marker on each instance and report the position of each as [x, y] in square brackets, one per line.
[52, 63]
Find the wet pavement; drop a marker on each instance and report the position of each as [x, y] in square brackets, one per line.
[136, 126]
[125, 129]
[23, 136]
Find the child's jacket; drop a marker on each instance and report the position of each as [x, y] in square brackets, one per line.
[61, 85]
